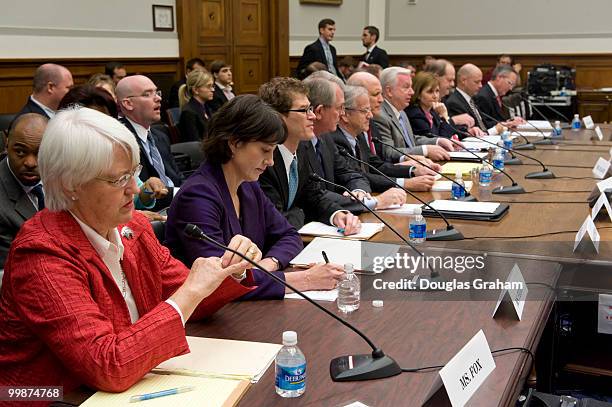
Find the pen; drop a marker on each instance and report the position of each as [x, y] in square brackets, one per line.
[169, 392]
[340, 230]
[325, 257]
[147, 192]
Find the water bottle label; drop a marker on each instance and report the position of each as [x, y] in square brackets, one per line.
[558, 131]
[291, 378]
[418, 231]
[498, 164]
[485, 177]
[458, 191]
[508, 143]
[576, 124]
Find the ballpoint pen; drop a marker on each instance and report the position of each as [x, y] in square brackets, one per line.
[325, 256]
[169, 392]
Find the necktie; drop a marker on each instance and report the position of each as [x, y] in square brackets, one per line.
[403, 119]
[40, 196]
[479, 121]
[358, 155]
[370, 140]
[157, 162]
[293, 181]
[499, 101]
[330, 59]
[320, 159]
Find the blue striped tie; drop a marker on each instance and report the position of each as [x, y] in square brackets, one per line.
[293, 182]
[157, 162]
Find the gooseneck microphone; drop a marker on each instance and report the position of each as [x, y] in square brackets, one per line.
[545, 140]
[449, 234]
[527, 146]
[544, 174]
[343, 368]
[468, 197]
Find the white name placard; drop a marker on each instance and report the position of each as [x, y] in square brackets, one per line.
[588, 227]
[588, 122]
[605, 185]
[601, 202]
[601, 168]
[599, 133]
[516, 296]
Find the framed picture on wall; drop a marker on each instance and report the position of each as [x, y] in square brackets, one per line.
[330, 2]
[163, 18]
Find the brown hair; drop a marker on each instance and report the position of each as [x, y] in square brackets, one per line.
[280, 91]
[420, 83]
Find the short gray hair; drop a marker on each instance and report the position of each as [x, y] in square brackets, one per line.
[502, 70]
[77, 146]
[388, 77]
[351, 93]
[437, 67]
[326, 75]
[320, 91]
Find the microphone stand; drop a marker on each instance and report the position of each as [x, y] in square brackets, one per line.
[449, 234]
[545, 140]
[527, 146]
[344, 368]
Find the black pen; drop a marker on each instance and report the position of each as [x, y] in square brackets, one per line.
[325, 256]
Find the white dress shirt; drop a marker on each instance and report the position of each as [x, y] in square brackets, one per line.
[50, 112]
[493, 130]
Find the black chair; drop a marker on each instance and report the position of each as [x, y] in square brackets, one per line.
[159, 228]
[5, 121]
[193, 149]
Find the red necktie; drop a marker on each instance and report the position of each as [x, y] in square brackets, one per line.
[370, 142]
[499, 101]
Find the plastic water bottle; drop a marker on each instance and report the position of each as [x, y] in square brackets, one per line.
[576, 123]
[498, 160]
[290, 367]
[485, 175]
[507, 141]
[349, 290]
[458, 191]
[418, 227]
[557, 130]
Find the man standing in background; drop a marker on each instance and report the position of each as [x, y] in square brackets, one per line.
[321, 50]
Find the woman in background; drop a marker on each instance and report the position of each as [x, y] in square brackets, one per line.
[426, 113]
[195, 113]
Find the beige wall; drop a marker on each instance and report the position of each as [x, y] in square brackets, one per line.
[83, 29]
[461, 26]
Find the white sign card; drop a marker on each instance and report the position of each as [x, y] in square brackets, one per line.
[588, 122]
[599, 133]
[604, 319]
[601, 202]
[601, 168]
[588, 227]
[465, 372]
[516, 296]
[605, 185]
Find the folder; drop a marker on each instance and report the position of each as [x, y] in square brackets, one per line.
[485, 211]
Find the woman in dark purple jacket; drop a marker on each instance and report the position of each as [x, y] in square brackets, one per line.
[224, 199]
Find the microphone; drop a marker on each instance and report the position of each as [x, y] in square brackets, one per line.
[527, 146]
[515, 188]
[343, 368]
[544, 174]
[545, 140]
[467, 198]
[449, 234]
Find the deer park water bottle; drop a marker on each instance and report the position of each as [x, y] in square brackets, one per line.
[576, 123]
[485, 175]
[349, 290]
[498, 160]
[418, 227]
[458, 188]
[290, 367]
[557, 131]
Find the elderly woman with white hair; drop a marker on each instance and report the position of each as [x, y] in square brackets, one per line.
[89, 295]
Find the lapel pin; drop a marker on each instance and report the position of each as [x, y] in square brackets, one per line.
[127, 232]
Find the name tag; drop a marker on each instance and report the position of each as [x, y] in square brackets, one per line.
[601, 168]
[588, 122]
[599, 133]
[601, 202]
[516, 295]
[587, 227]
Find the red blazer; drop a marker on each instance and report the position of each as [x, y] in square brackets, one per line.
[63, 320]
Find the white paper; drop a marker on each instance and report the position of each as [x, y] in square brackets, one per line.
[588, 122]
[539, 124]
[594, 234]
[443, 186]
[405, 209]
[490, 139]
[465, 155]
[599, 133]
[536, 133]
[356, 404]
[467, 370]
[321, 229]
[604, 319]
[605, 185]
[329, 295]
[516, 296]
[601, 168]
[476, 145]
[601, 202]
[463, 206]
[587, 227]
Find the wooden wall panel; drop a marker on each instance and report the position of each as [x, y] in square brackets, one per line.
[214, 28]
[250, 22]
[250, 69]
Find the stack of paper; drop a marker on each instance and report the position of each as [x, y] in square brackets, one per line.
[463, 206]
[452, 167]
[329, 295]
[539, 124]
[466, 155]
[405, 209]
[321, 229]
[443, 186]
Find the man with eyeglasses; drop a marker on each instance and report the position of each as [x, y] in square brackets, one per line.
[489, 98]
[50, 84]
[287, 182]
[140, 101]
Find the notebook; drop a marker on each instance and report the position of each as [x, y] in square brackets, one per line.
[321, 229]
[443, 186]
[452, 167]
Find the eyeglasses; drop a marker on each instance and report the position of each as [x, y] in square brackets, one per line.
[123, 180]
[307, 110]
[364, 111]
[147, 94]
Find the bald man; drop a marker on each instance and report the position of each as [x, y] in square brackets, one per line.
[51, 82]
[140, 102]
[21, 194]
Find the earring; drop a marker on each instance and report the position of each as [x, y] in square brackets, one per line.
[74, 198]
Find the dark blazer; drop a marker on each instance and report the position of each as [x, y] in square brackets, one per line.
[456, 104]
[15, 208]
[377, 56]
[193, 124]
[420, 125]
[29, 107]
[218, 100]
[377, 181]
[314, 53]
[310, 203]
[205, 201]
[162, 141]
[487, 104]
[173, 98]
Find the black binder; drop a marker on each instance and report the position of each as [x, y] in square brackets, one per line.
[499, 213]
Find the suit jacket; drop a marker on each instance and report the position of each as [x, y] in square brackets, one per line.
[377, 56]
[218, 100]
[162, 141]
[193, 124]
[205, 201]
[15, 208]
[420, 125]
[456, 104]
[487, 104]
[29, 107]
[173, 98]
[63, 320]
[310, 203]
[377, 181]
[314, 53]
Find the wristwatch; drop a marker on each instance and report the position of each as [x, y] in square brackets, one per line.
[275, 260]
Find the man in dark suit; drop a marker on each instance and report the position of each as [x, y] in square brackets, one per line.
[287, 183]
[489, 98]
[21, 193]
[192, 64]
[321, 50]
[51, 82]
[140, 103]
[374, 54]
[223, 92]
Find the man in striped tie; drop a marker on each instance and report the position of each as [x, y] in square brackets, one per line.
[489, 98]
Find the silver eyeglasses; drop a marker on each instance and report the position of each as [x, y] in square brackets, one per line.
[147, 94]
[123, 180]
